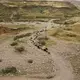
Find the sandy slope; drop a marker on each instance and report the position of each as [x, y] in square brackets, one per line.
[64, 69]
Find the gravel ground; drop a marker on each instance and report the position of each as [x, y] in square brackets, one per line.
[62, 63]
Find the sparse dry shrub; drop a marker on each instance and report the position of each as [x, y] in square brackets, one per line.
[68, 28]
[21, 36]
[71, 35]
[19, 49]
[56, 31]
[49, 77]
[30, 61]
[42, 42]
[0, 60]
[9, 70]
[14, 44]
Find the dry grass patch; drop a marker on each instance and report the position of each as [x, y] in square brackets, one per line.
[46, 41]
[69, 36]
[76, 28]
[65, 34]
[50, 42]
[54, 31]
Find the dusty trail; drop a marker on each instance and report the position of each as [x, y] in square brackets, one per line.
[65, 69]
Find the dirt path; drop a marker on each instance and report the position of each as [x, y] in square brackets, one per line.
[65, 70]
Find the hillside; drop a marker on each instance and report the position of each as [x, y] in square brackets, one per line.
[36, 10]
[39, 40]
[76, 3]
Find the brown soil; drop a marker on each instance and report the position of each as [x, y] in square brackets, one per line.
[5, 30]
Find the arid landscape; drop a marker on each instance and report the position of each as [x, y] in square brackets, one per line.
[39, 40]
